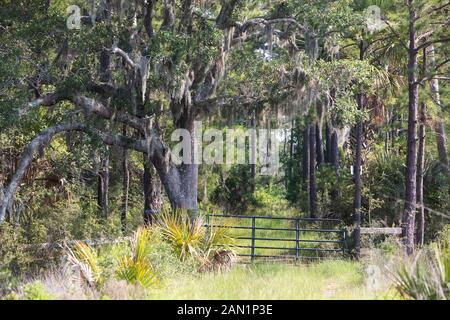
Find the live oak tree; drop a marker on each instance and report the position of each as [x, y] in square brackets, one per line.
[134, 71]
[158, 61]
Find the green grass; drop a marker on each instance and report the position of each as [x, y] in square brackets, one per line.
[322, 280]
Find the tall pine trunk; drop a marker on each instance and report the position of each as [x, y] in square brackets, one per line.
[357, 167]
[411, 158]
[334, 159]
[328, 132]
[305, 160]
[319, 139]
[125, 184]
[312, 172]
[253, 154]
[420, 174]
[103, 186]
[438, 126]
[358, 182]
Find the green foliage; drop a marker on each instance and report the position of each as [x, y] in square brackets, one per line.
[234, 191]
[426, 275]
[210, 248]
[14, 258]
[136, 267]
[85, 260]
[186, 235]
[36, 291]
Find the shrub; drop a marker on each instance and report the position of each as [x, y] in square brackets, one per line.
[218, 250]
[185, 235]
[426, 276]
[189, 239]
[136, 267]
[85, 260]
[36, 291]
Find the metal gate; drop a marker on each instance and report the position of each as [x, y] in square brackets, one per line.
[282, 237]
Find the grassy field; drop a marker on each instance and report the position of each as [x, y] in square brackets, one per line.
[323, 280]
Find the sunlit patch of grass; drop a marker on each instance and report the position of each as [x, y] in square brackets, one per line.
[324, 280]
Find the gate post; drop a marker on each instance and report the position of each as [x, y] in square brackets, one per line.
[207, 226]
[297, 239]
[253, 238]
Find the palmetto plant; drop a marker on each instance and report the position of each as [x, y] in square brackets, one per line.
[186, 235]
[84, 258]
[426, 276]
[442, 256]
[210, 247]
[218, 251]
[136, 267]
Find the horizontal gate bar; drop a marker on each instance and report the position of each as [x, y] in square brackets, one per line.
[290, 249]
[293, 240]
[274, 229]
[276, 218]
[287, 256]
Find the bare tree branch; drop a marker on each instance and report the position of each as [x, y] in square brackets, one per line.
[43, 139]
[87, 104]
[27, 157]
[428, 43]
[124, 55]
[47, 100]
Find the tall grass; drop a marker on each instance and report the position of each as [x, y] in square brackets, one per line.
[323, 280]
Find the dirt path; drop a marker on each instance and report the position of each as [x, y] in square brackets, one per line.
[330, 290]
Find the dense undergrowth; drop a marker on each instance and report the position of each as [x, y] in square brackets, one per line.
[176, 258]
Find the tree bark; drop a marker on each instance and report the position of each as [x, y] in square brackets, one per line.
[180, 182]
[357, 167]
[152, 192]
[306, 160]
[312, 172]
[103, 186]
[438, 126]
[358, 182]
[420, 175]
[328, 142]
[334, 159]
[334, 153]
[125, 184]
[319, 139]
[253, 154]
[411, 159]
